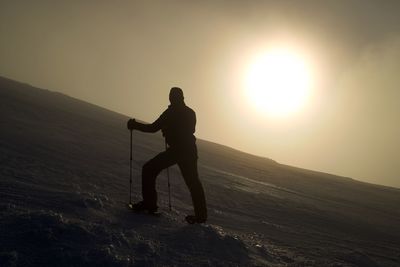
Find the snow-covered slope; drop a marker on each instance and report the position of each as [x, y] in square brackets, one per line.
[64, 186]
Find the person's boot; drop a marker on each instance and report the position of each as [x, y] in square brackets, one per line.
[192, 219]
[143, 208]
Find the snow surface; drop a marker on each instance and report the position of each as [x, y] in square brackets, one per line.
[64, 184]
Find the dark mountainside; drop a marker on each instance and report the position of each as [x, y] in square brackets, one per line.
[64, 186]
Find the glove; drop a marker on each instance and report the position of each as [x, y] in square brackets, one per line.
[131, 124]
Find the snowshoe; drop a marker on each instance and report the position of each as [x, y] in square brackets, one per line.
[192, 219]
[140, 207]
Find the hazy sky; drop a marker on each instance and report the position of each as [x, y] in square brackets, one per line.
[125, 55]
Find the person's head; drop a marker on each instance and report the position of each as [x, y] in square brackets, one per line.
[176, 96]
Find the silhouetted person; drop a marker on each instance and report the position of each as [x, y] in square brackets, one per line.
[177, 124]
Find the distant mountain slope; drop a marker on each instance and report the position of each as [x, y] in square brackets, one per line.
[64, 183]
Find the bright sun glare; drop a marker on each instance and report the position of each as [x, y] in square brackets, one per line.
[278, 83]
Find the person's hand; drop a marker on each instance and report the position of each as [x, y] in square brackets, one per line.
[131, 124]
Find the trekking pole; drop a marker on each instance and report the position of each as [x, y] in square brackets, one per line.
[130, 175]
[169, 185]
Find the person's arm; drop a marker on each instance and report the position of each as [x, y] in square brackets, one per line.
[147, 128]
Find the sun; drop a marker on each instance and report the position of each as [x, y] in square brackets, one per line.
[278, 83]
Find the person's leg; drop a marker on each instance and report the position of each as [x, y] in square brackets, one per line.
[190, 174]
[150, 171]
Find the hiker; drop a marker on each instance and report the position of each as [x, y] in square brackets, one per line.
[177, 124]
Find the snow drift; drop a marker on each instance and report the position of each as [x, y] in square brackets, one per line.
[64, 186]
